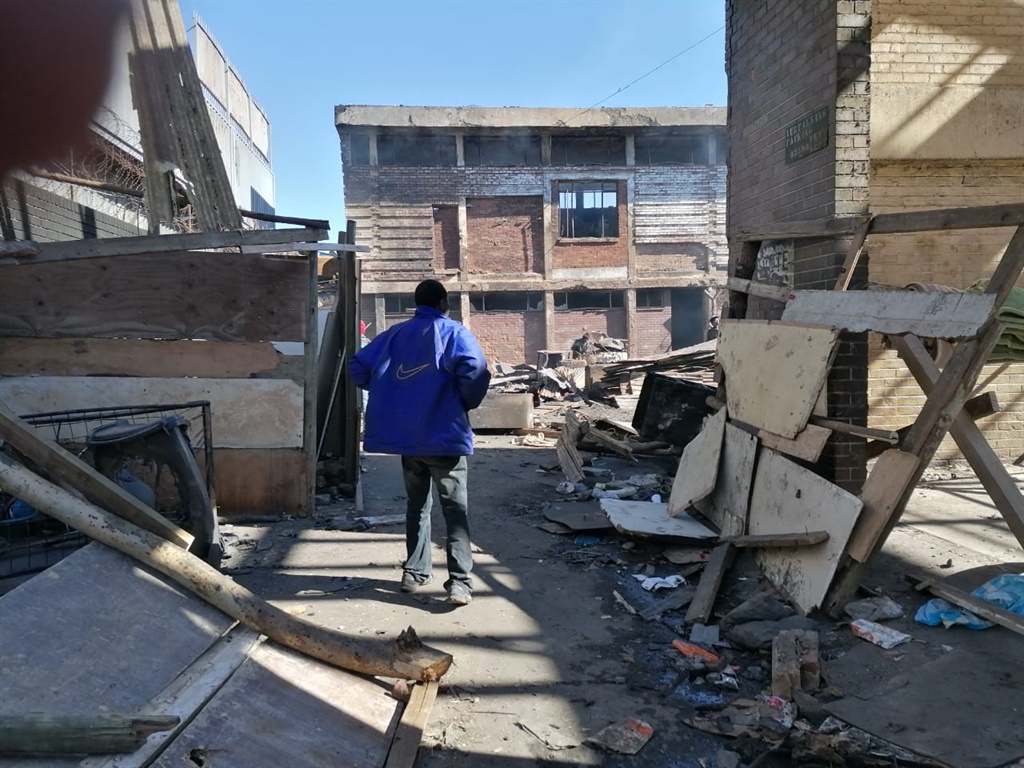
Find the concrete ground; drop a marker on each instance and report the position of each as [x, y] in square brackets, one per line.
[545, 656]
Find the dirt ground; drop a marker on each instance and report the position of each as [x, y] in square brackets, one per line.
[545, 656]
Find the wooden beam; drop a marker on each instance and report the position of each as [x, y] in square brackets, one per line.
[785, 540]
[843, 427]
[968, 602]
[60, 466]
[761, 290]
[38, 733]
[710, 582]
[799, 230]
[1001, 487]
[744, 269]
[120, 246]
[975, 217]
[853, 254]
[409, 734]
[275, 218]
[985, 404]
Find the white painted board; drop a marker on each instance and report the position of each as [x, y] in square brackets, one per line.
[647, 519]
[728, 506]
[790, 499]
[698, 466]
[774, 372]
[930, 315]
[247, 413]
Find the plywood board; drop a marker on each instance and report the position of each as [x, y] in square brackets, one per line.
[176, 295]
[247, 413]
[646, 519]
[131, 357]
[264, 481]
[774, 371]
[95, 632]
[282, 708]
[885, 486]
[579, 516]
[728, 505]
[931, 315]
[698, 466]
[790, 499]
[808, 445]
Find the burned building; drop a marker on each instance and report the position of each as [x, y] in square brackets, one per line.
[543, 223]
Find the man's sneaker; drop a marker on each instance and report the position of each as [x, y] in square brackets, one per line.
[459, 594]
[410, 582]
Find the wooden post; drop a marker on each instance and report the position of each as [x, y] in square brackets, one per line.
[309, 379]
[37, 733]
[349, 315]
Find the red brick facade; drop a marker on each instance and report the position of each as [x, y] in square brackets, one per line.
[446, 238]
[653, 332]
[571, 324]
[509, 337]
[505, 235]
[591, 254]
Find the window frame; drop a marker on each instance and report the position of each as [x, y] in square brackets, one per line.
[566, 220]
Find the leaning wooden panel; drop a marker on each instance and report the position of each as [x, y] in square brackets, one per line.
[698, 466]
[932, 315]
[178, 295]
[887, 483]
[774, 371]
[261, 481]
[729, 505]
[142, 357]
[284, 709]
[790, 499]
[247, 413]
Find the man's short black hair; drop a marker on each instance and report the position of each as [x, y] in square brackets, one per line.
[430, 293]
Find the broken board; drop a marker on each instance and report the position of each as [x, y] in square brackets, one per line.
[808, 445]
[930, 315]
[647, 519]
[698, 466]
[788, 499]
[578, 516]
[774, 372]
[728, 505]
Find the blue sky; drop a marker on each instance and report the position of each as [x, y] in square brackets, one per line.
[299, 58]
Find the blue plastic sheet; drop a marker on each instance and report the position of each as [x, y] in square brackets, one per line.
[1006, 591]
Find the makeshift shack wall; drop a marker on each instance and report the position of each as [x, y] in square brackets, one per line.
[777, 81]
[171, 327]
[30, 212]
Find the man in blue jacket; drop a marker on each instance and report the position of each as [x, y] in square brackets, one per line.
[424, 376]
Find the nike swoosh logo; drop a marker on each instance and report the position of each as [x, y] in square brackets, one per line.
[403, 374]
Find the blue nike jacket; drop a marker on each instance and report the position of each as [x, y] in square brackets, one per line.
[424, 376]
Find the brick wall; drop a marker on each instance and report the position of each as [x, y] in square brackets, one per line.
[785, 60]
[509, 337]
[505, 235]
[30, 213]
[653, 332]
[569, 325]
[446, 237]
[671, 257]
[569, 254]
[955, 258]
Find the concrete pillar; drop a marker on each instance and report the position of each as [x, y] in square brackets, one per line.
[460, 150]
[549, 320]
[630, 149]
[463, 238]
[712, 147]
[545, 149]
[379, 320]
[465, 308]
[632, 336]
[373, 148]
[547, 213]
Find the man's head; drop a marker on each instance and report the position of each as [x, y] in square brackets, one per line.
[714, 321]
[431, 293]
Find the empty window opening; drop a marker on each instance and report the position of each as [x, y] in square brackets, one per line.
[569, 300]
[503, 151]
[360, 148]
[415, 149]
[650, 298]
[588, 150]
[506, 301]
[588, 209]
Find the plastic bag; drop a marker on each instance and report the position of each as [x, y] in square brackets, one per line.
[1006, 591]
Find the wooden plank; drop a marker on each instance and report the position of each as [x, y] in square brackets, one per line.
[647, 519]
[985, 404]
[728, 505]
[936, 315]
[132, 246]
[989, 468]
[261, 481]
[603, 440]
[247, 413]
[310, 443]
[141, 357]
[407, 739]
[761, 290]
[795, 359]
[808, 445]
[177, 295]
[853, 254]
[710, 581]
[39, 733]
[969, 602]
[60, 466]
[697, 473]
[187, 694]
[568, 457]
[283, 708]
[786, 499]
[799, 230]
[783, 540]
[680, 598]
